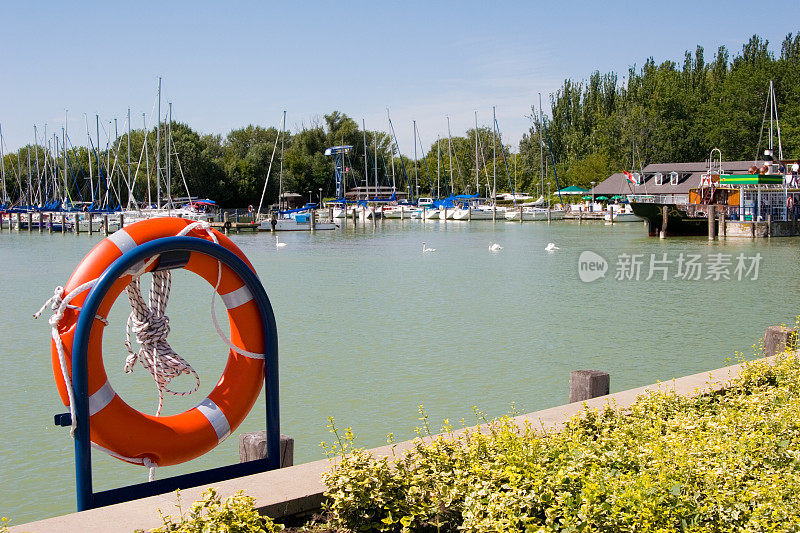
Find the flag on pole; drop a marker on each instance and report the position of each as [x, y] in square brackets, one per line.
[630, 177]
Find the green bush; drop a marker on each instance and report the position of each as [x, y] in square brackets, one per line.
[210, 515]
[725, 461]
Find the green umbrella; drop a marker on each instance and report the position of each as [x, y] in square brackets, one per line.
[601, 198]
[587, 197]
[617, 197]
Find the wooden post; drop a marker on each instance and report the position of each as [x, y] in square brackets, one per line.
[63, 223]
[226, 224]
[587, 384]
[778, 339]
[50, 217]
[105, 224]
[254, 446]
[753, 229]
[580, 217]
[424, 213]
[19, 221]
[494, 212]
[520, 215]
[30, 221]
[469, 213]
[402, 212]
[664, 219]
[712, 221]
[313, 220]
[769, 224]
[444, 215]
[89, 217]
[611, 214]
[548, 214]
[76, 225]
[723, 231]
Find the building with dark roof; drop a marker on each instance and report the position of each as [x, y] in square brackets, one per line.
[666, 182]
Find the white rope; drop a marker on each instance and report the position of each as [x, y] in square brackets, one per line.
[150, 325]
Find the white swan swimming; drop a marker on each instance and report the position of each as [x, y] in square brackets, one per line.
[494, 247]
[426, 249]
[278, 243]
[551, 247]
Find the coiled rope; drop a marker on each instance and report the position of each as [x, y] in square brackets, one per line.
[150, 325]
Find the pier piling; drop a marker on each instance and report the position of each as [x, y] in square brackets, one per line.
[587, 384]
[63, 223]
[313, 220]
[779, 338]
[30, 222]
[769, 225]
[76, 227]
[611, 214]
[19, 221]
[520, 215]
[469, 213]
[712, 221]
[664, 219]
[89, 217]
[105, 224]
[254, 446]
[723, 231]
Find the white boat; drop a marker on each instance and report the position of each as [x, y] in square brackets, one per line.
[534, 214]
[625, 214]
[483, 212]
[300, 221]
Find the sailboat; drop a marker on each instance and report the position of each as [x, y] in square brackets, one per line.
[302, 219]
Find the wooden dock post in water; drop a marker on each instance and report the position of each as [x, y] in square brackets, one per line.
[723, 231]
[588, 384]
[105, 224]
[548, 214]
[712, 222]
[19, 221]
[313, 221]
[769, 225]
[76, 227]
[89, 217]
[777, 339]
[30, 221]
[664, 219]
[469, 213]
[63, 223]
[520, 215]
[121, 220]
[494, 211]
[611, 214]
[254, 446]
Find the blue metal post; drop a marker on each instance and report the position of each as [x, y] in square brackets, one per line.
[80, 377]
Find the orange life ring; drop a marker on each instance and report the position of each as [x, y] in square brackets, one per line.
[166, 440]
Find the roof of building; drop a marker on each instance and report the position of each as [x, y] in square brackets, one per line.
[688, 178]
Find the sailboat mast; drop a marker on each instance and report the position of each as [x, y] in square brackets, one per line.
[280, 175]
[477, 174]
[2, 167]
[438, 165]
[366, 166]
[494, 155]
[158, 149]
[169, 160]
[450, 155]
[97, 157]
[146, 160]
[375, 142]
[541, 148]
[130, 185]
[416, 180]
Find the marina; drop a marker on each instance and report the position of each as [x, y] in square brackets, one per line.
[394, 329]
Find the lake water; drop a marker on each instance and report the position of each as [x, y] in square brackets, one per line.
[370, 327]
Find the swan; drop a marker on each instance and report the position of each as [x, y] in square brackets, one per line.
[551, 247]
[427, 250]
[494, 247]
[279, 244]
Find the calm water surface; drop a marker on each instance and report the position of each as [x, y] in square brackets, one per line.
[370, 327]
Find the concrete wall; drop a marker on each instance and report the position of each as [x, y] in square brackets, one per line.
[298, 489]
[761, 229]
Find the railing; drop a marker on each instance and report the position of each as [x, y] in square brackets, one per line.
[739, 213]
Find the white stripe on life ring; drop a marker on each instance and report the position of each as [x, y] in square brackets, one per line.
[240, 296]
[101, 398]
[123, 241]
[216, 418]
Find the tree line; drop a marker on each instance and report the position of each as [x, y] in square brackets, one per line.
[593, 128]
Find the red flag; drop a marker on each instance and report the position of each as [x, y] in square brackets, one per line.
[630, 177]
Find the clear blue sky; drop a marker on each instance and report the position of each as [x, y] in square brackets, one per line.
[228, 64]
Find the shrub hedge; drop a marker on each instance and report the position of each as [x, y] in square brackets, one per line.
[725, 461]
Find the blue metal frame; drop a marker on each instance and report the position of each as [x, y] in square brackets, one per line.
[87, 499]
